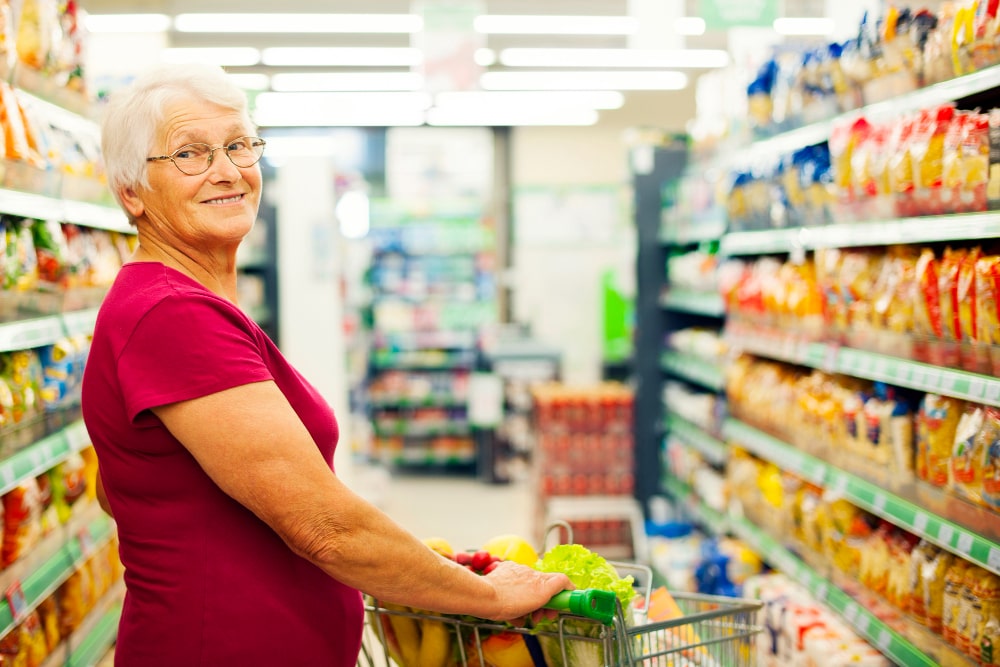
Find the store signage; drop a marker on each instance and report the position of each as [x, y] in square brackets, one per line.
[725, 14]
[448, 43]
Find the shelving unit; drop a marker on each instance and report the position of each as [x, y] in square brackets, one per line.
[432, 292]
[968, 531]
[38, 573]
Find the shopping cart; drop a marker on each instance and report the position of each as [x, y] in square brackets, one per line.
[712, 631]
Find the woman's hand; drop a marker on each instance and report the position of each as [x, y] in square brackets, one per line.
[521, 590]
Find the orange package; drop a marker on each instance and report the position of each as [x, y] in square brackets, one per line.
[928, 311]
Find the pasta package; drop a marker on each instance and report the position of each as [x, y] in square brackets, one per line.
[937, 422]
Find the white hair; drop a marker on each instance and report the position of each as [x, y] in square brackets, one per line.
[134, 114]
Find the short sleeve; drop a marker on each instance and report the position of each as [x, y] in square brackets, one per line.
[186, 346]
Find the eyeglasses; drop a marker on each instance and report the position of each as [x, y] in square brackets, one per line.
[194, 159]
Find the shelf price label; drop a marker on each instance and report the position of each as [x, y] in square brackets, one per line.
[18, 603]
[884, 640]
[965, 542]
[993, 559]
[920, 523]
[878, 503]
[945, 533]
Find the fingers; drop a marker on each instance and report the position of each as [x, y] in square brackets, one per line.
[522, 590]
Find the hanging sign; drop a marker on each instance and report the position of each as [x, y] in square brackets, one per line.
[725, 14]
[449, 43]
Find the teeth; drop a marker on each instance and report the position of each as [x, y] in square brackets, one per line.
[225, 201]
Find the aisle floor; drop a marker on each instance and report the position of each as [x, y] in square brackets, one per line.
[459, 508]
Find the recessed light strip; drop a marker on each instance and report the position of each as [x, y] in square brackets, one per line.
[299, 23]
[661, 58]
[528, 24]
[620, 80]
[96, 23]
[346, 81]
[346, 56]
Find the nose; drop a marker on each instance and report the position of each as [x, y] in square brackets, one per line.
[227, 166]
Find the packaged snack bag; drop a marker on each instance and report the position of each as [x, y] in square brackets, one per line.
[937, 422]
[933, 587]
[924, 553]
[954, 581]
[22, 520]
[928, 307]
[969, 459]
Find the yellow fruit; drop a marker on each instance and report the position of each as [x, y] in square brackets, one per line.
[435, 644]
[512, 547]
[440, 545]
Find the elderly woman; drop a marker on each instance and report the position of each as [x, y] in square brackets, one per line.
[240, 544]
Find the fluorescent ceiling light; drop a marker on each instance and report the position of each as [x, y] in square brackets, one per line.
[343, 81]
[528, 24]
[342, 56]
[333, 102]
[620, 80]
[251, 81]
[661, 58]
[237, 56]
[530, 99]
[511, 117]
[338, 23]
[804, 26]
[689, 25]
[338, 118]
[127, 22]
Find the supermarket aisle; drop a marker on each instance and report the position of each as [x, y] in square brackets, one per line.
[459, 508]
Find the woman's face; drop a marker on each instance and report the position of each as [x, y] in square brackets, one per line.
[215, 209]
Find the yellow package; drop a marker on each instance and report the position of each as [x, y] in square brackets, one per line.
[937, 421]
[967, 298]
[954, 583]
[987, 295]
[924, 553]
[933, 588]
[967, 467]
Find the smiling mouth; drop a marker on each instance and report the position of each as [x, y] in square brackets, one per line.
[225, 200]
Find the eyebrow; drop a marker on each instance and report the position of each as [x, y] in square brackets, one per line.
[196, 137]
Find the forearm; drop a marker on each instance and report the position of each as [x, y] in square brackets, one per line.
[362, 547]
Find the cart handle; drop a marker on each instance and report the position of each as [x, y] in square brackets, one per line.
[592, 603]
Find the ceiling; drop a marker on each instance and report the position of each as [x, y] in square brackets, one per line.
[641, 107]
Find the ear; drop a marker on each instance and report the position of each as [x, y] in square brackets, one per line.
[131, 201]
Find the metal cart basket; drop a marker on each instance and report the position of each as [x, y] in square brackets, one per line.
[711, 632]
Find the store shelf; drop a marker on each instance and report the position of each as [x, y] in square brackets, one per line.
[965, 226]
[714, 522]
[409, 428]
[41, 582]
[42, 207]
[98, 640]
[786, 142]
[833, 358]
[711, 448]
[46, 330]
[869, 626]
[416, 340]
[695, 230]
[870, 497]
[699, 371]
[400, 402]
[709, 304]
[42, 455]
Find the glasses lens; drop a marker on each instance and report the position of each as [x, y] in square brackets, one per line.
[245, 151]
[193, 158]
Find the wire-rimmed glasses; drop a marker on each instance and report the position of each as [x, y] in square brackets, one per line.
[194, 159]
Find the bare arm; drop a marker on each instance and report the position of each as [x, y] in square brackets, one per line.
[253, 445]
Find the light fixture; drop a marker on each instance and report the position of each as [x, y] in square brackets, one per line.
[352, 211]
[236, 56]
[529, 99]
[804, 26]
[528, 24]
[510, 117]
[341, 56]
[689, 25]
[660, 58]
[127, 22]
[251, 81]
[269, 23]
[338, 118]
[346, 81]
[323, 109]
[615, 80]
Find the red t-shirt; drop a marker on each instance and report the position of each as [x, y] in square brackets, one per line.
[208, 583]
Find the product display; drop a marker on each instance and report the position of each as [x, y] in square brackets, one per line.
[845, 427]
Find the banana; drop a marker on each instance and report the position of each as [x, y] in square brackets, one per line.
[435, 644]
[407, 633]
